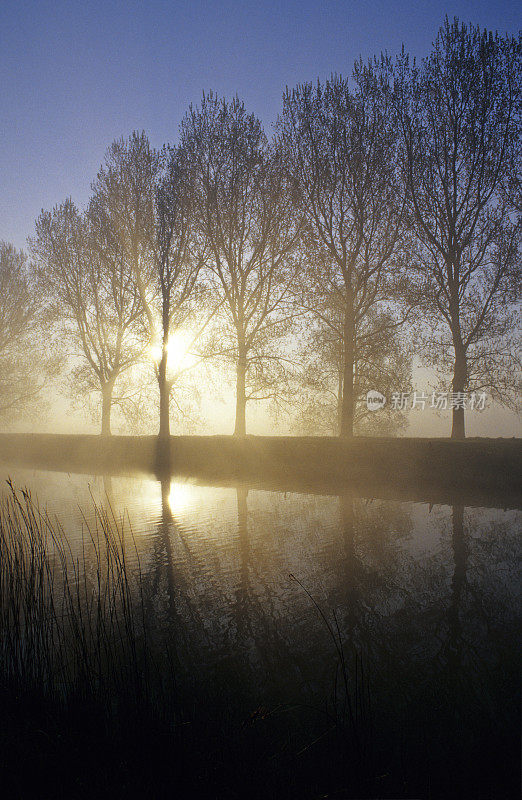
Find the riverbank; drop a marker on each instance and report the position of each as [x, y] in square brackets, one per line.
[474, 471]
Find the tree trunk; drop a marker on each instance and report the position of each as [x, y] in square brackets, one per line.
[339, 409]
[106, 392]
[240, 426]
[460, 375]
[460, 369]
[164, 397]
[163, 445]
[348, 401]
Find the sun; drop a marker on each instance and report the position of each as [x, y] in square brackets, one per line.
[178, 348]
[178, 351]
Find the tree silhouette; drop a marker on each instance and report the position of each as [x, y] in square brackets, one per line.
[458, 115]
[340, 154]
[246, 221]
[21, 346]
[382, 362]
[90, 298]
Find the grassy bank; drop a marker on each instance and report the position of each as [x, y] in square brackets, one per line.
[474, 471]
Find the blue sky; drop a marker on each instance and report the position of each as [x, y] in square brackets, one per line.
[76, 75]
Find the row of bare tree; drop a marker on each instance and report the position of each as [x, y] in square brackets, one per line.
[383, 216]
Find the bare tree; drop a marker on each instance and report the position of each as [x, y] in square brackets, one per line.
[340, 152]
[124, 193]
[382, 362]
[91, 296]
[20, 341]
[146, 199]
[245, 219]
[459, 123]
[178, 264]
[512, 179]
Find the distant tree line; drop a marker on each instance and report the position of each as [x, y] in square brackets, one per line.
[382, 220]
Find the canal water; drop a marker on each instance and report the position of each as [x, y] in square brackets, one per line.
[403, 615]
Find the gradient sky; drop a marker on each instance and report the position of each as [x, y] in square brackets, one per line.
[76, 75]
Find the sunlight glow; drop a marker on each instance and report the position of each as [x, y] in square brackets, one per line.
[181, 497]
[178, 353]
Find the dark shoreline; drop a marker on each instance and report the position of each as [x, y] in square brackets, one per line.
[477, 472]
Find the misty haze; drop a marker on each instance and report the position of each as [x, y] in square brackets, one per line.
[260, 365]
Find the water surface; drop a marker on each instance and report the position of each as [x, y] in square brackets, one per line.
[419, 604]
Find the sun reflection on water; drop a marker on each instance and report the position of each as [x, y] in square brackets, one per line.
[182, 496]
